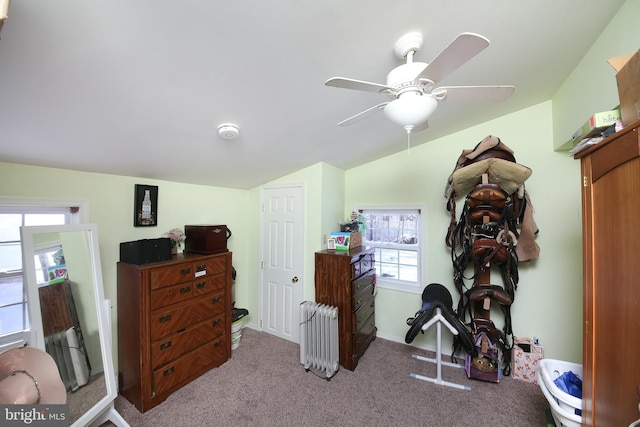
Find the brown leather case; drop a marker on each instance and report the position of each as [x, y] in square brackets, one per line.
[206, 239]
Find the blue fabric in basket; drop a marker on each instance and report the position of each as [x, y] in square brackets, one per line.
[571, 384]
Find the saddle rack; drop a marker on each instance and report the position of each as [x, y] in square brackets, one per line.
[439, 320]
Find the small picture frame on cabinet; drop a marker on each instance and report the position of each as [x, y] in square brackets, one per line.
[145, 207]
[331, 244]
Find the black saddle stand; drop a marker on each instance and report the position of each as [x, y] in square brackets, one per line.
[439, 320]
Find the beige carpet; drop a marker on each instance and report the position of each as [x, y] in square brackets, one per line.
[264, 384]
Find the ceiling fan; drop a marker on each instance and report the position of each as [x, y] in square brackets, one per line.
[412, 86]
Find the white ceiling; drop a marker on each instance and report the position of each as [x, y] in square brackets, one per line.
[138, 88]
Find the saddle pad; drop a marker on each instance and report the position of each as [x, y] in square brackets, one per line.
[508, 175]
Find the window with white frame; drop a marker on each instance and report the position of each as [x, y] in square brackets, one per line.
[14, 318]
[395, 233]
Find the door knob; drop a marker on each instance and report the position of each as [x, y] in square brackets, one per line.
[295, 279]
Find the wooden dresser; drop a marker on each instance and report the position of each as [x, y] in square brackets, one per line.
[174, 324]
[347, 280]
[611, 267]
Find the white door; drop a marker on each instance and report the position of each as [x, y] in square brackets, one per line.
[282, 248]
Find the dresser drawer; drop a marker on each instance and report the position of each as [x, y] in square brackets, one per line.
[209, 355]
[171, 294]
[210, 267]
[363, 313]
[209, 284]
[362, 263]
[172, 346]
[171, 320]
[361, 284]
[362, 297]
[167, 276]
[363, 336]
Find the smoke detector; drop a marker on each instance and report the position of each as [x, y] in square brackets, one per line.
[228, 131]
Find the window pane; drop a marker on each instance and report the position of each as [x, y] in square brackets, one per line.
[389, 255]
[10, 227]
[44, 219]
[408, 273]
[408, 257]
[10, 256]
[387, 270]
[11, 290]
[12, 306]
[12, 320]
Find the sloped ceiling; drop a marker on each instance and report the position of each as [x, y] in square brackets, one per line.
[138, 88]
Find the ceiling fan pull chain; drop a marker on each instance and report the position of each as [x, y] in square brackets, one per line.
[409, 128]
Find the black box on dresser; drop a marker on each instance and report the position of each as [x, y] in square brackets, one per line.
[146, 251]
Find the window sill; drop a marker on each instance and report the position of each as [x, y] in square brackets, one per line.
[381, 283]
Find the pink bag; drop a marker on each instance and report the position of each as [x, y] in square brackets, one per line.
[524, 359]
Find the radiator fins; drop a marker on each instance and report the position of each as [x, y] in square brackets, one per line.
[319, 348]
[72, 365]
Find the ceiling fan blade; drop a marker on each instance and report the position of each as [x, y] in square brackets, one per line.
[345, 83]
[460, 50]
[363, 114]
[473, 93]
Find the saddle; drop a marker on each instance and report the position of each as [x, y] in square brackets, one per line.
[436, 296]
[493, 158]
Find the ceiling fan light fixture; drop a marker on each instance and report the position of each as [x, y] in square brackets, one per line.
[411, 109]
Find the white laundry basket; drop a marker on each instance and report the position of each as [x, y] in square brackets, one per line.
[563, 405]
[236, 333]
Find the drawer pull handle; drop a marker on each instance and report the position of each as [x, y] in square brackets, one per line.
[201, 267]
[165, 345]
[169, 371]
[165, 318]
[201, 285]
[218, 343]
[185, 270]
[217, 322]
[185, 289]
[217, 299]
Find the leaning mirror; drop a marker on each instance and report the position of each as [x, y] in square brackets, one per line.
[70, 317]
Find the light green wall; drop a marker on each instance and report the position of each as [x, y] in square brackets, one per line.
[592, 87]
[548, 302]
[111, 208]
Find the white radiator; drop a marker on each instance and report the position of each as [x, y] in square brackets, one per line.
[71, 361]
[319, 337]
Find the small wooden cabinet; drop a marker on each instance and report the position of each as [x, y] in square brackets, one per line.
[174, 324]
[611, 251]
[346, 279]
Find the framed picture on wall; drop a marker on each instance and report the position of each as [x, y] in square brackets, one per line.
[145, 207]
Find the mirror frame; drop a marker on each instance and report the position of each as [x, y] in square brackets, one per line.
[103, 410]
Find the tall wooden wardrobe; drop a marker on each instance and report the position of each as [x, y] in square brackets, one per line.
[611, 267]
